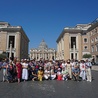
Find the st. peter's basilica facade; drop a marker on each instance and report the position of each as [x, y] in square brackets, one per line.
[43, 52]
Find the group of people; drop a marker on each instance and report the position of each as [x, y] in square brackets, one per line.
[25, 70]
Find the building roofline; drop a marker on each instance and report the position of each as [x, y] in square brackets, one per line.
[10, 28]
[69, 30]
[92, 26]
[14, 29]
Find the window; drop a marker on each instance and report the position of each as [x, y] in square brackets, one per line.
[85, 40]
[85, 47]
[97, 47]
[72, 57]
[73, 42]
[11, 41]
[92, 40]
[96, 39]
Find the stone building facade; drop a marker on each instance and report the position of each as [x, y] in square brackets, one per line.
[13, 41]
[74, 42]
[43, 52]
[93, 32]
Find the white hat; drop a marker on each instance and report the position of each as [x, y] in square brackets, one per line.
[59, 68]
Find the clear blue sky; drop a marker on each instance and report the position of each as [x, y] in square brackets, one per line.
[45, 19]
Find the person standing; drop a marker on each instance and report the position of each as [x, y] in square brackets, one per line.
[83, 70]
[10, 72]
[63, 65]
[4, 67]
[88, 70]
[69, 68]
[25, 70]
[19, 70]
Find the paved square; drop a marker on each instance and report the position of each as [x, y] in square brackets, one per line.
[50, 89]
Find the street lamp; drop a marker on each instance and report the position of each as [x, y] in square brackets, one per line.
[10, 55]
[74, 52]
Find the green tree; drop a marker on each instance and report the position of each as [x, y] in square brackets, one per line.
[2, 56]
[87, 56]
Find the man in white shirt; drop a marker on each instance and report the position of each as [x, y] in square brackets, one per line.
[88, 70]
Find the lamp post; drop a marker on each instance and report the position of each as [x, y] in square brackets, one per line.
[74, 52]
[10, 55]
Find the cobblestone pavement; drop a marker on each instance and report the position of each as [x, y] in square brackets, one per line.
[50, 89]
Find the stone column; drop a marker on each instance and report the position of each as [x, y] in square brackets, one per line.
[48, 56]
[74, 52]
[79, 47]
[66, 46]
[39, 56]
[36, 56]
[54, 55]
[43, 55]
[32, 55]
[18, 45]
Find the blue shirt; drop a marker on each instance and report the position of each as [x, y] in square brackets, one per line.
[75, 70]
[4, 64]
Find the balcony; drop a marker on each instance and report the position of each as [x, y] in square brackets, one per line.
[72, 50]
[8, 49]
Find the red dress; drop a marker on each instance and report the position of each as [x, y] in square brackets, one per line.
[19, 70]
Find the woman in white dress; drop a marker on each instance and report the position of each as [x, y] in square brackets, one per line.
[69, 68]
[83, 70]
[25, 70]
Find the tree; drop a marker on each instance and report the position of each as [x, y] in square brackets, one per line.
[87, 56]
[2, 56]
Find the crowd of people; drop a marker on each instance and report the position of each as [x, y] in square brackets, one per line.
[24, 70]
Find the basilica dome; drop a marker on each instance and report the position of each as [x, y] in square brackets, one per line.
[43, 45]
